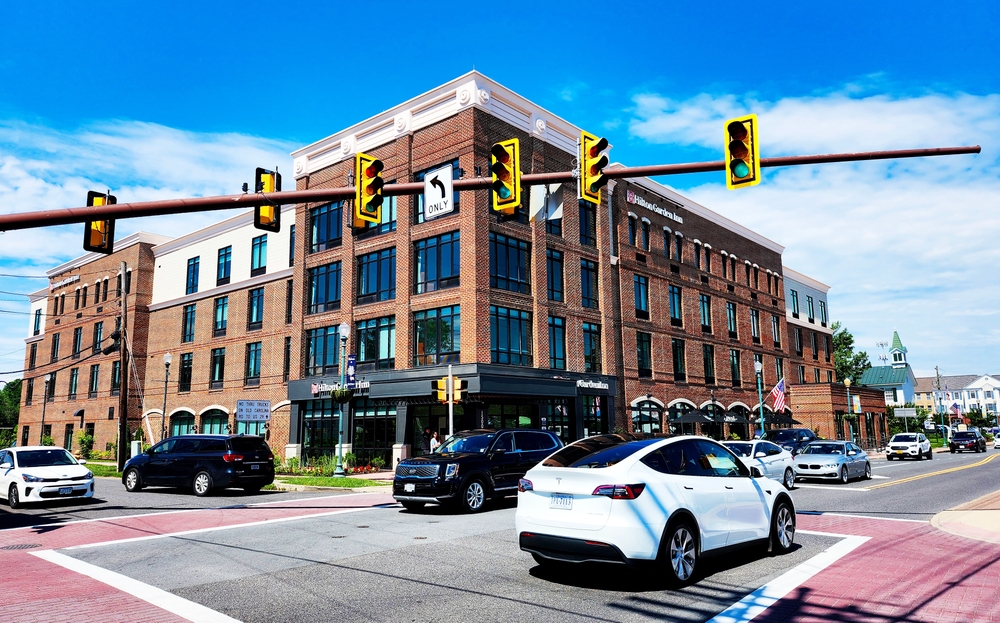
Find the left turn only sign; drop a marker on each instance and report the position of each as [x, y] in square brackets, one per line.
[438, 192]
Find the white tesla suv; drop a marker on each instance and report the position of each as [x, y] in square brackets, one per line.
[614, 499]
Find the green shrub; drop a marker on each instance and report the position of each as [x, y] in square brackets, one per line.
[378, 462]
[350, 460]
[48, 440]
[86, 444]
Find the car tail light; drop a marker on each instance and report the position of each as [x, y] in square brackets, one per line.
[524, 485]
[231, 458]
[620, 492]
[269, 457]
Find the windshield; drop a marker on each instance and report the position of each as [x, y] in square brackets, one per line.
[476, 444]
[596, 451]
[780, 435]
[44, 458]
[740, 449]
[824, 448]
[903, 438]
[965, 435]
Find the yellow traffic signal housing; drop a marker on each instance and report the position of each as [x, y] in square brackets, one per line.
[440, 389]
[267, 217]
[367, 189]
[592, 163]
[742, 153]
[461, 389]
[99, 236]
[505, 169]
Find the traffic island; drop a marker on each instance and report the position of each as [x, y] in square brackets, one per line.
[978, 519]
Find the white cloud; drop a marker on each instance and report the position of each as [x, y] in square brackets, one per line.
[905, 244]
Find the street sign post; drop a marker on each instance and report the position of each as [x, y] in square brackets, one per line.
[253, 410]
[906, 413]
[439, 192]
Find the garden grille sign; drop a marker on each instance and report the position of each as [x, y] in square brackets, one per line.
[253, 410]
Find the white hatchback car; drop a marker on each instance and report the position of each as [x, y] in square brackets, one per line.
[771, 459]
[613, 499]
[42, 473]
[909, 445]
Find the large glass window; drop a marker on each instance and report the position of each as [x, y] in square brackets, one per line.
[187, 323]
[680, 361]
[77, 342]
[326, 227]
[591, 347]
[37, 328]
[731, 320]
[734, 367]
[798, 341]
[322, 348]
[645, 235]
[676, 312]
[55, 348]
[809, 309]
[324, 288]
[251, 374]
[437, 336]
[456, 173]
[588, 224]
[320, 428]
[224, 266]
[510, 264]
[557, 343]
[640, 291]
[221, 316]
[438, 262]
[377, 276]
[588, 284]
[33, 356]
[184, 374]
[377, 344]
[705, 304]
[633, 229]
[217, 371]
[374, 431]
[510, 336]
[181, 423]
[776, 330]
[644, 353]
[755, 326]
[214, 422]
[192, 275]
[255, 309]
[258, 256]
[646, 418]
[95, 371]
[822, 313]
[795, 304]
[554, 270]
[74, 380]
[116, 379]
[387, 219]
[779, 368]
[708, 356]
[98, 337]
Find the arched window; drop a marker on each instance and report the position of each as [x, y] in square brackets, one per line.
[667, 243]
[680, 246]
[214, 422]
[676, 411]
[181, 423]
[708, 259]
[645, 234]
[724, 265]
[631, 229]
[646, 418]
[697, 255]
[756, 278]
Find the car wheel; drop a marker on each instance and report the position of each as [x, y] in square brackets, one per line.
[412, 506]
[682, 553]
[474, 496]
[782, 528]
[930, 455]
[843, 475]
[789, 478]
[202, 484]
[920, 456]
[13, 498]
[888, 458]
[133, 482]
[953, 452]
[868, 471]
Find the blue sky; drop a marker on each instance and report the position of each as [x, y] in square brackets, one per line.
[186, 99]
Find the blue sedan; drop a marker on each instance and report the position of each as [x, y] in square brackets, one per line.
[832, 460]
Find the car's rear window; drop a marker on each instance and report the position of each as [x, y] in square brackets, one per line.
[248, 444]
[598, 451]
[740, 449]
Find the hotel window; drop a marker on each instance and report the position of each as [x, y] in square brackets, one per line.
[756, 278]
[755, 326]
[798, 341]
[456, 173]
[55, 348]
[221, 316]
[708, 260]
[510, 336]
[680, 247]
[83, 297]
[97, 293]
[29, 393]
[251, 375]
[437, 336]
[258, 256]
[255, 309]
[734, 367]
[829, 376]
[588, 284]
[217, 372]
[324, 288]
[554, 226]
[38, 322]
[795, 304]
[591, 347]
[725, 270]
[557, 343]
[326, 227]
[644, 354]
[680, 365]
[224, 266]
[640, 287]
[510, 266]
[588, 224]
[377, 276]
[747, 265]
[822, 313]
[769, 283]
[731, 321]
[322, 351]
[98, 337]
[438, 262]
[376, 344]
[809, 309]
[118, 285]
[286, 364]
[645, 235]
[802, 375]
[676, 313]
[816, 375]
[184, 376]
[94, 373]
[732, 267]
[128, 281]
[74, 379]
[667, 243]
[705, 304]
[815, 347]
[191, 285]
[116, 377]
[32, 356]
[77, 342]
[776, 330]
[51, 395]
[779, 368]
[697, 255]
[387, 219]
[291, 246]
[187, 323]
[104, 290]
[554, 274]
[633, 228]
[708, 356]
[289, 296]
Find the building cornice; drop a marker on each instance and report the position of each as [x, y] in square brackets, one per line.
[120, 245]
[795, 275]
[806, 324]
[229, 287]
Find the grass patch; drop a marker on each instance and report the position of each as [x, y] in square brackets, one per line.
[100, 469]
[320, 481]
[270, 487]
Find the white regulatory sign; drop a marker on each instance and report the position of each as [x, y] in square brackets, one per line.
[253, 410]
[438, 192]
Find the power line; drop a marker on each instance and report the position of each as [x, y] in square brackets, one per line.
[24, 276]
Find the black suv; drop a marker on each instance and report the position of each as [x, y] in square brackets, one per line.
[791, 439]
[472, 466]
[967, 440]
[203, 462]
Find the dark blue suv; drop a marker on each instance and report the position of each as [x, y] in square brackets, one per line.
[203, 462]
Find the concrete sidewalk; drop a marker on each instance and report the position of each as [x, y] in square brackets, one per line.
[978, 519]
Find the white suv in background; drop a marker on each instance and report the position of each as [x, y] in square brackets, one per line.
[912, 445]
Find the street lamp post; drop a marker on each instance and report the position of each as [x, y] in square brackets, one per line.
[758, 367]
[345, 330]
[45, 399]
[167, 358]
[850, 428]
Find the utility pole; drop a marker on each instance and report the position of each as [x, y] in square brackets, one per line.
[937, 375]
[123, 375]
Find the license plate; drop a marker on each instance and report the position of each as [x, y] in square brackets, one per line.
[410, 488]
[65, 490]
[899, 451]
[564, 502]
[255, 467]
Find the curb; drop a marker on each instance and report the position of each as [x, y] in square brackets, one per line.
[284, 486]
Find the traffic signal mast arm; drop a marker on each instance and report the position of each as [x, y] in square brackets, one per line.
[63, 216]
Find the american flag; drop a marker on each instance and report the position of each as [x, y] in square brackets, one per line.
[778, 397]
[957, 410]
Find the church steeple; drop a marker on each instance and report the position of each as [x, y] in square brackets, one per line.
[897, 352]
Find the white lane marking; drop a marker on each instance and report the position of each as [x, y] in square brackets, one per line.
[880, 477]
[764, 597]
[150, 594]
[248, 524]
[829, 487]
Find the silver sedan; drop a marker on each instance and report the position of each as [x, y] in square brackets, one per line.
[832, 460]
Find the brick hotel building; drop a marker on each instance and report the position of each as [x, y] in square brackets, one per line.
[626, 315]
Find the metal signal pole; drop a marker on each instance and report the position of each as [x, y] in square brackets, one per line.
[123, 437]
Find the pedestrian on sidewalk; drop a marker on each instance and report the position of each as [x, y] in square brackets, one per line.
[435, 441]
[425, 441]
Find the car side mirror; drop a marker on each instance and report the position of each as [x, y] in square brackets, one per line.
[82, 461]
[500, 451]
[756, 473]
[851, 453]
[760, 455]
[6, 466]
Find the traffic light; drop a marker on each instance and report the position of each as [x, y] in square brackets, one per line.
[461, 389]
[440, 389]
[505, 169]
[592, 163]
[99, 236]
[367, 190]
[267, 217]
[742, 153]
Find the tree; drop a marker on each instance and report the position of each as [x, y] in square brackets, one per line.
[10, 408]
[849, 365]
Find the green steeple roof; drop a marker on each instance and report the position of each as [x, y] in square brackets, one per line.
[897, 344]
